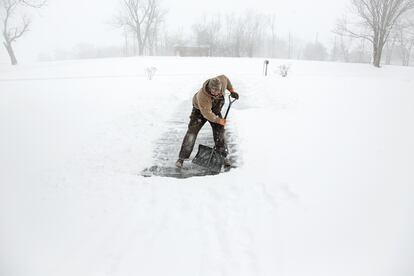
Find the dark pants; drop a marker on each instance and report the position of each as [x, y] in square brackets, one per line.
[197, 121]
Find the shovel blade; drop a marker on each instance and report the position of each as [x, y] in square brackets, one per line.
[209, 158]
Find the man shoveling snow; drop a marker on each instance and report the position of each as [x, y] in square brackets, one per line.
[207, 105]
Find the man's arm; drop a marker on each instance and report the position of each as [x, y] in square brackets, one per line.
[229, 87]
[205, 105]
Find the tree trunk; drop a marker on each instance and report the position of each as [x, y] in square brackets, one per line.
[140, 46]
[362, 52]
[345, 51]
[389, 50]
[10, 51]
[405, 61]
[134, 52]
[126, 44]
[405, 56]
[377, 55]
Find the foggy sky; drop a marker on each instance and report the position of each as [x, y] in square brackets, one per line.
[63, 24]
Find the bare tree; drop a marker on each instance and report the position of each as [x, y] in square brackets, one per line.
[208, 32]
[295, 47]
[315, 51]
[273, 34]
[154, 36]
[236, 30]
[172, 39]
[233, 35]
[405, 33]
[253, 25]
[345, 44]
[405, 40]
[142, 18]
[229, 28]
[15, 21]
[334, 52]
[374, 20]
[390, 45]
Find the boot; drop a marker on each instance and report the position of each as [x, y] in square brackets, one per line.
[227, 162]
[179, 163]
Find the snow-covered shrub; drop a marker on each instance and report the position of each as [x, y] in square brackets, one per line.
[150, 72]
[284, 69]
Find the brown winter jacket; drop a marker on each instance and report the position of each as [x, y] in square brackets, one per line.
[203, 100]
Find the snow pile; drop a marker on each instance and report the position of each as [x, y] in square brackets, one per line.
[325, 186]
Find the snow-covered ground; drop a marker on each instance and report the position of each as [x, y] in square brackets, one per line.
[325, 186]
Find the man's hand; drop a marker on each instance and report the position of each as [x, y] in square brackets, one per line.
[234, 95]
[221, 122]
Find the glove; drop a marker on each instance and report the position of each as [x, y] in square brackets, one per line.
[234, 95]
[221, 122]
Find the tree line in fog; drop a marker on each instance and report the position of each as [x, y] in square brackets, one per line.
[372, 31]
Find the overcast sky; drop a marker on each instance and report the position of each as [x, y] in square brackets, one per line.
[66, 23]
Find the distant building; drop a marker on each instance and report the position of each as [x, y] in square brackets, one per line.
[192, 51]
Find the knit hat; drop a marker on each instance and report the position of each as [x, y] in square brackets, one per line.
[214, 84]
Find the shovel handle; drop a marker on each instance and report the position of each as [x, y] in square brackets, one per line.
[228, 108]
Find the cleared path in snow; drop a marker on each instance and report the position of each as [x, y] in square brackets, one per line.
[166, 148]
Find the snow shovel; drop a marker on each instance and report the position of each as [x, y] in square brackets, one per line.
[209, 157]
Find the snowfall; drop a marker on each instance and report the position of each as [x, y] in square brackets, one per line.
[324, 184]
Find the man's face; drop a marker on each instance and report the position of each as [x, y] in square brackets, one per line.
[215, 91]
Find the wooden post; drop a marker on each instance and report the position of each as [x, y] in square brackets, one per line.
[266, 63]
